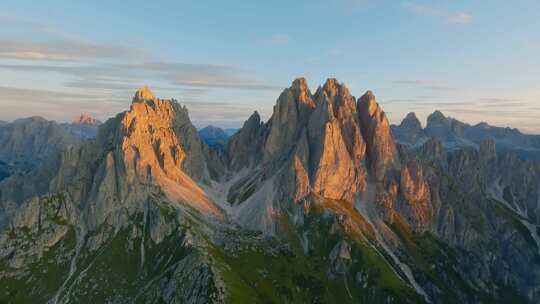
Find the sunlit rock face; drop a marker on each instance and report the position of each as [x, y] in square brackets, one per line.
[83, 126]
[151, 147]
[85, 119]
[334, 146]
[337, 145]
[159, 136]
[376, 129]
[316, 137]
[143, 94]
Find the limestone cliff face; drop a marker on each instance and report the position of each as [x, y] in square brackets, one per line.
[330, 145]
[152, 150]
[291, 112]
[382, 153]
[159, 136]
[313, 141]
[244, 148]
[337, 147]
[417, 204]
[483, 194]
[325, 143]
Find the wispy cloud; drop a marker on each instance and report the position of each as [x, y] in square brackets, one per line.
[62, 49]
[115, 76]
[22, 102]
[499, 111]
[432, 11]
[459, 18]
[276, 39]
[99, 78]
[426, 84]
[29, 39]
[107, 89]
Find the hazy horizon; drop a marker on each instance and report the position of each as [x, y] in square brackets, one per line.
[199, 125]
[226, 60]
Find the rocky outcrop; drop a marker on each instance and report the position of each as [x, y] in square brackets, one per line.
[244, 148]
[382, 153]
[314, 141]
[417, 206]
[291, 112]
[337, 148]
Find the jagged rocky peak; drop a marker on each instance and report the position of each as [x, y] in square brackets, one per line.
[292, 110]
[411, 122]
[153, 145]
[142, 94]
[437, 117]
[368, 104]
[333, 88]
[162, 128]
[254, 119]
[444, 127]
[85, 119]
[244, 148]
[382, 152]
[439, 126]
[336, 98]
[332, 149]
[409, 131]
[301, 91]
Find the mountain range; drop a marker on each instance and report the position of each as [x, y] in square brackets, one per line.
[216, 138]
[456, 134]
[325, 202]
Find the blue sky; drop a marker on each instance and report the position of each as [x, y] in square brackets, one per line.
[474, 60]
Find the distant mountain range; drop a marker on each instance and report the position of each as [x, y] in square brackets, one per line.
[323, 203]
[216, 137]
[456, 134]
[30, 141]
